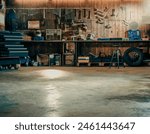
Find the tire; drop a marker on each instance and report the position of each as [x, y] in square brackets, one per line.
[133, 56]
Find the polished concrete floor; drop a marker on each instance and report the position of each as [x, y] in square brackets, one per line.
[75, 92]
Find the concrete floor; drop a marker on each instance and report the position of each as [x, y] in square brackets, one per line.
[71, 91]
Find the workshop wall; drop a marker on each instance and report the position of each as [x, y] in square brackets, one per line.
[104, 18]
[77, 18]
[67, 3]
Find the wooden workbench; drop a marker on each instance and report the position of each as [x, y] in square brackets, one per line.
[42, 47]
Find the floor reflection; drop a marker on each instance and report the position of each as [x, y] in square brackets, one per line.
[52, 99]
[53, 74]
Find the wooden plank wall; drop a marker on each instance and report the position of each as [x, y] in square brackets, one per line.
[112, 20]
[116, 20]
[104, 18]
[67, 3]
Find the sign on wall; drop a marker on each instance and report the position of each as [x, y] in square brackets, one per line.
[33, 24]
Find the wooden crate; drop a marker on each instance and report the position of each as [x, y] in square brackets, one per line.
[83, 59]
[69, 59]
